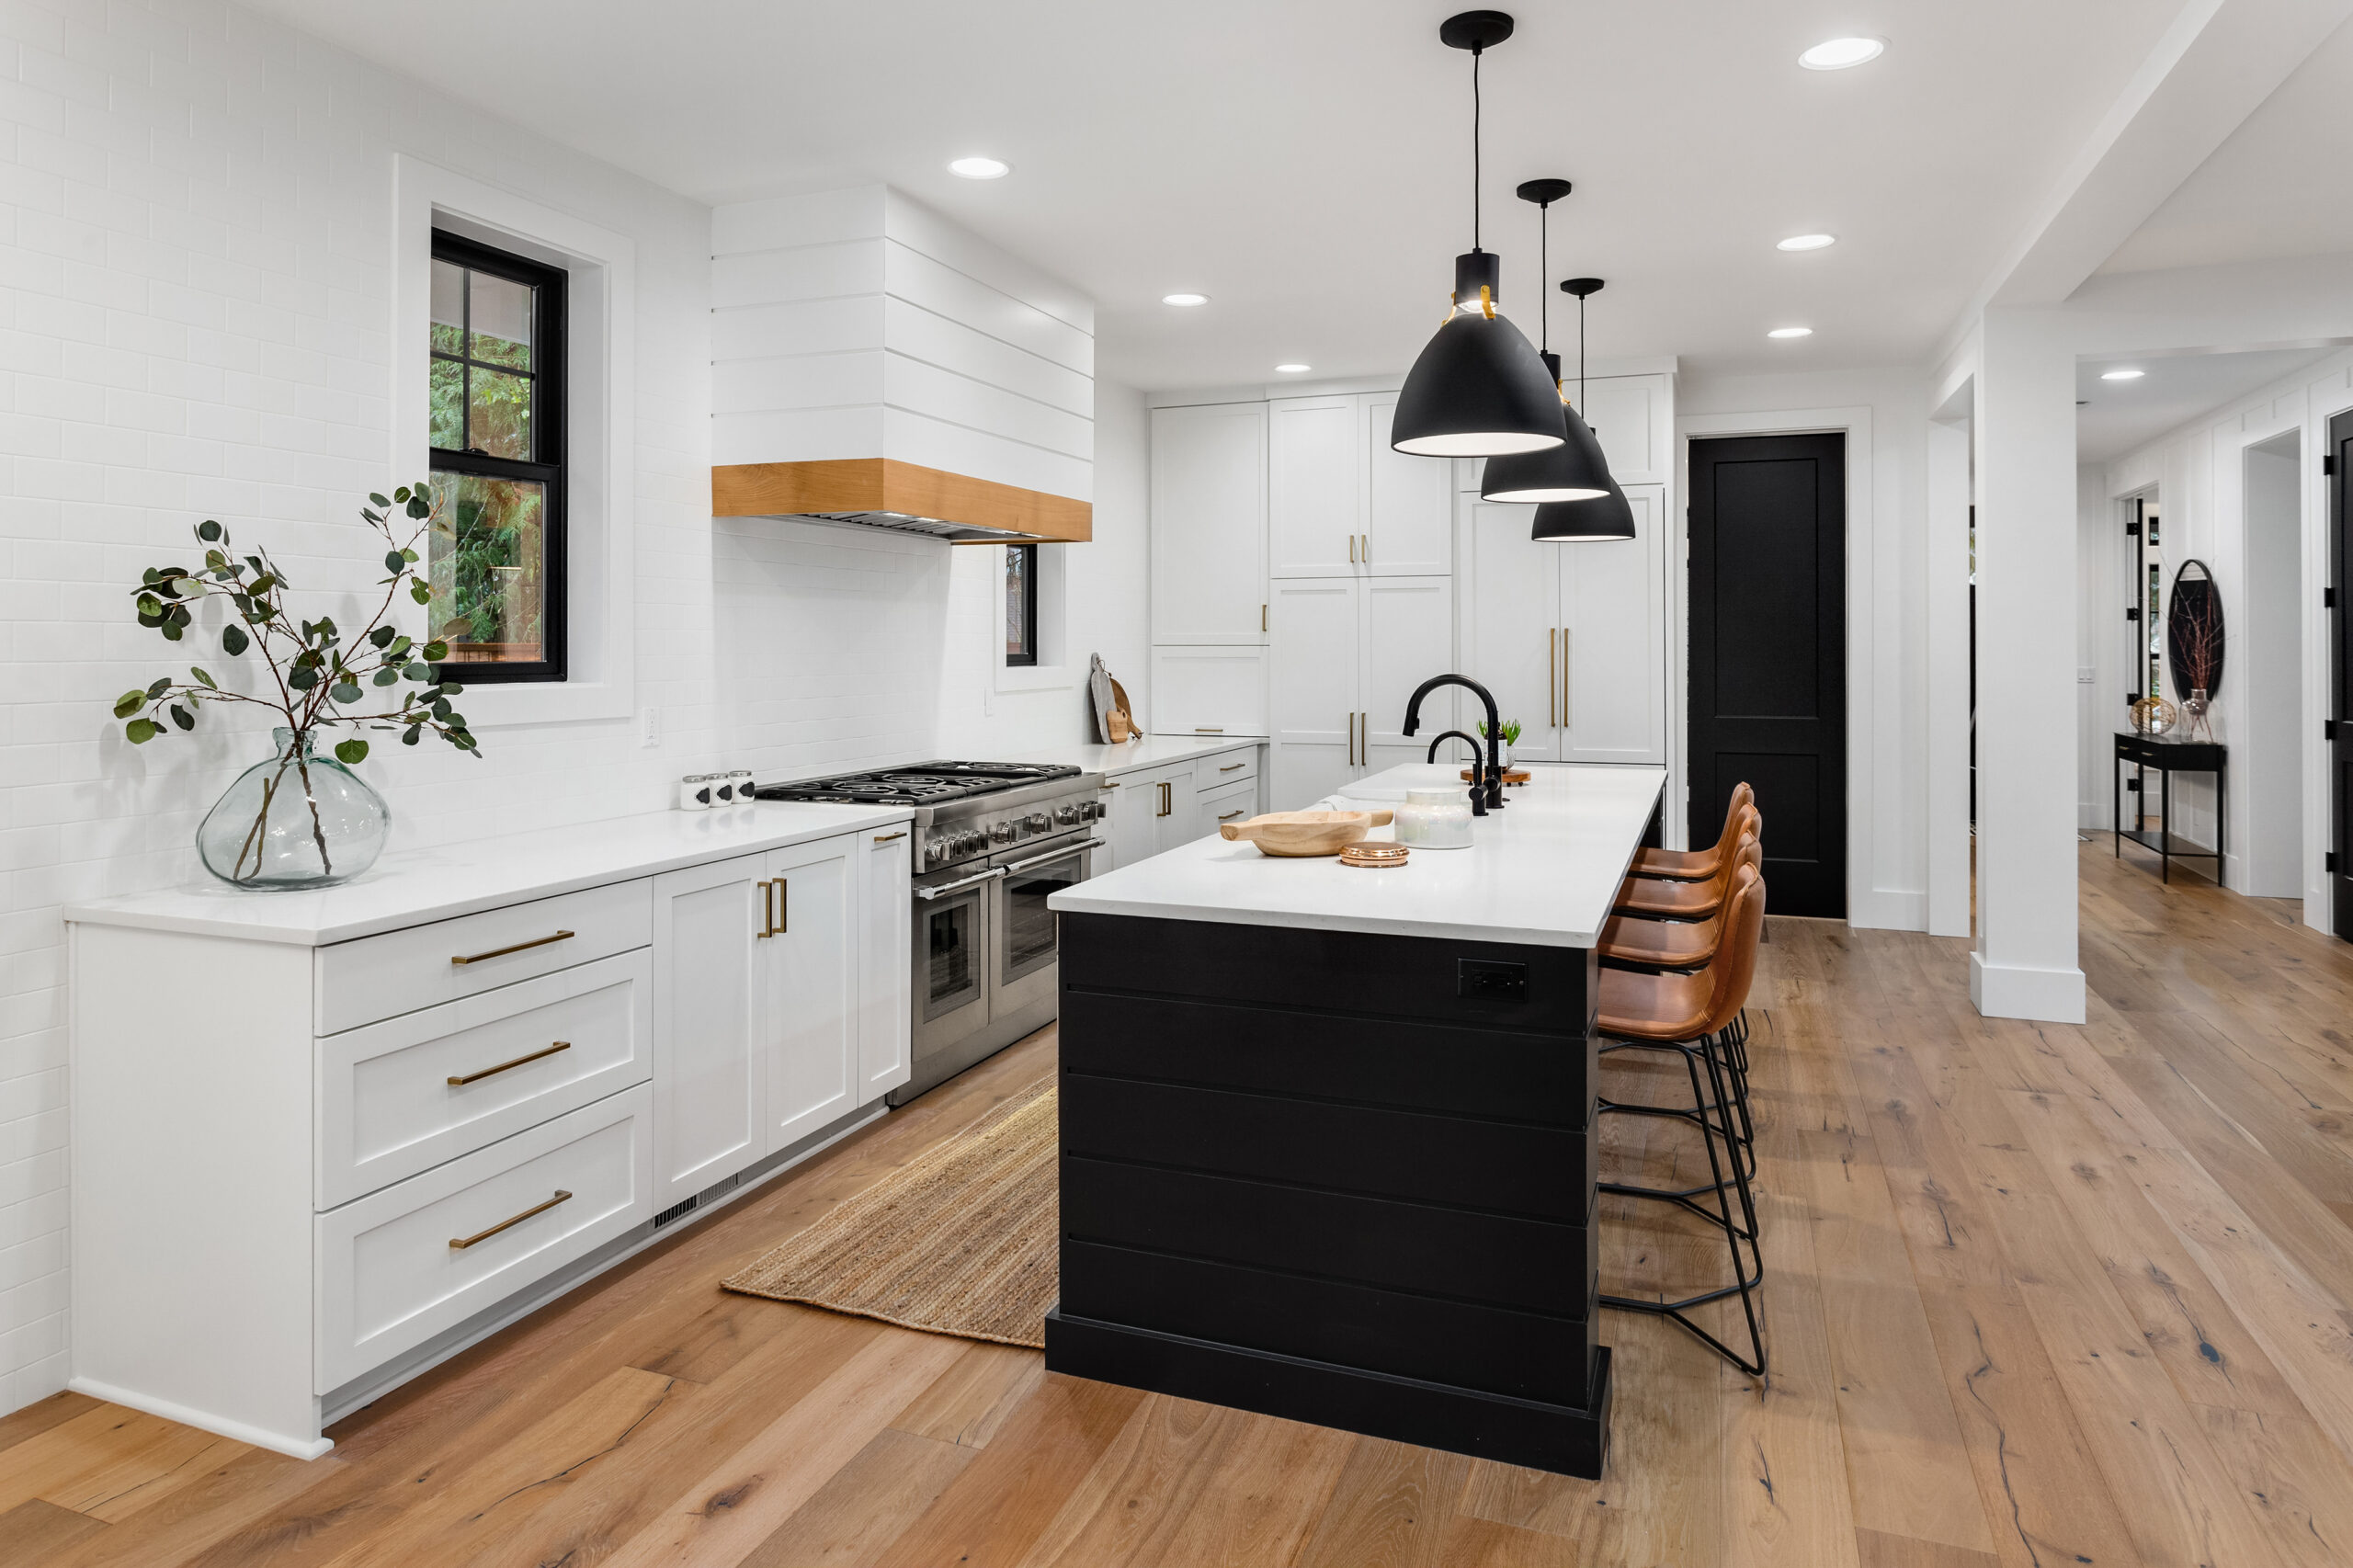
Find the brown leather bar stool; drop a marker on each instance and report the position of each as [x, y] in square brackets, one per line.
[1652, 899]
[1699, 865]
[1690, 1014]
[1633, 941]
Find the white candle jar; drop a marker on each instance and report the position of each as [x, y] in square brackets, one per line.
[1434, 819]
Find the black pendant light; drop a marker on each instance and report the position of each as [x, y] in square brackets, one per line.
[1605, 516]
[1478, 389]
[1575, 470]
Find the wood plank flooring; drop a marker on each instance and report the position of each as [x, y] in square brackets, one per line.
[2037, 1296]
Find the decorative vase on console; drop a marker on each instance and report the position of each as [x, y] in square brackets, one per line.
[300, 819]
[2197, 713]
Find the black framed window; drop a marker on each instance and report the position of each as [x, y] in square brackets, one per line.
[497, 556]
[1020, 603]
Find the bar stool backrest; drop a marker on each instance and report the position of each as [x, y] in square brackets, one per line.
[1734, 965]
[1743, 798]
[1748, 848]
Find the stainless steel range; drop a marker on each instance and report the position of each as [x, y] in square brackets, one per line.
[994, 841]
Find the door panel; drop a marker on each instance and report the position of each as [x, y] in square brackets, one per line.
[1314, 496]
[811, 1014]
[709, 998]
[1177, 818]
[1409, 512]
[883, 1022]
[1511, 620]
[1768, 674]
[1208, 522]
[1408, 637]
[1613, 642]
[2340, 749]
[1312, 687]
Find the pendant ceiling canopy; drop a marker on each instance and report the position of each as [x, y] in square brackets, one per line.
[1478, 389]
[1574, 469]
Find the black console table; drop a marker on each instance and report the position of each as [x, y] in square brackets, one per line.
[2168, 757]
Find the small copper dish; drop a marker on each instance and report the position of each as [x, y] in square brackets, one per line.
[1374, 856]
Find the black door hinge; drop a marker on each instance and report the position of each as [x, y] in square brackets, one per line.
[2130, 697]
[2132, 614]
[2328, 861]
[2328, 598]
[2132, 531]
[2327, 465]
[2329, 729]
[2132, 786]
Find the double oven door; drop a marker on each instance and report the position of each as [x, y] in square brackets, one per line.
[985, 940]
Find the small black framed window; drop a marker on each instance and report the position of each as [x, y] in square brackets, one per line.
[497, 556]
[1020, 604]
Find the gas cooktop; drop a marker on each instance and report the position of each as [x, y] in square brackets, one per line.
[919, 784]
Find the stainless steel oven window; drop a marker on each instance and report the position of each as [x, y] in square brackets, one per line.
[1029, 942]
[951, 972]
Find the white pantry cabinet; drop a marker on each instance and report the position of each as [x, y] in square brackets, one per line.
[1346, 654]
[1208, 523]
[1342, 501]
[450, 1090]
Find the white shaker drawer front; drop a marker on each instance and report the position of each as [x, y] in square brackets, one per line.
[1225, 767]
[400, 1266]
[399, 971]
[403, 1095]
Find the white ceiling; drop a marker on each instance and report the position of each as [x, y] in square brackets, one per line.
[1305, 162]
[2115, 416]
[2276, 187]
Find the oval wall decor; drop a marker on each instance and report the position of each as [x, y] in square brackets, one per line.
[2194, 638]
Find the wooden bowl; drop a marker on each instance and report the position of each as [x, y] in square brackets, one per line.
[1298, 834]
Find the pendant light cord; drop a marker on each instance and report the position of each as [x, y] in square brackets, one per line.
[1544, 279]
[1580, 354]
[1476, 108]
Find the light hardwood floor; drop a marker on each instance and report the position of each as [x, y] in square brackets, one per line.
[2038, 1296]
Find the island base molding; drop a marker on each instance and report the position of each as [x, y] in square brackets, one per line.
[1559, 1438]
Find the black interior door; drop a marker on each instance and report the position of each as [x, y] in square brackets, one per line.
[1769, 654]
[2341, 742]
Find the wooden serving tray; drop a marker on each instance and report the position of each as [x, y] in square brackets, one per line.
[1299, 834]
[1511, 776]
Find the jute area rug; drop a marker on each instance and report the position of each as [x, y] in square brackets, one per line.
[960, 1241]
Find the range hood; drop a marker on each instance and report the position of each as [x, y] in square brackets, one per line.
[875, 366]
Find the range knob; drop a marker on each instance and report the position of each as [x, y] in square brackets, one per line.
[1037, 822]
[937, 850]
[969, 840]
[1002, 832]
[1065, 815]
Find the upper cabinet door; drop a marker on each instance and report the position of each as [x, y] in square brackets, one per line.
[811, 1025]
[1613, 661]
[1315, 524]
[1409, 521]
[1633, 418]
[1511, 624]
[886, 938]
[1408, 637]
[1208, 523]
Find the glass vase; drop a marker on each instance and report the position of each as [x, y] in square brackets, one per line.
[2199, 713]
[298, 820]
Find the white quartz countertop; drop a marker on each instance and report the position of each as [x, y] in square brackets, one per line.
[1542, 872]
[1145, 751]
[411, 887]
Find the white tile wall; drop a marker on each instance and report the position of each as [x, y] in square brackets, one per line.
[195, 223]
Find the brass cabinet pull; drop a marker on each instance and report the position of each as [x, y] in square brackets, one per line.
[1231, 816]
[519, 947]
[1551, 676]
[888, 837]
[1112, 785]
[1352, 549]
[489, 1072]
[1564, 678]
[1368, 549]
[783, 907]
[561, 1197]
[1168, 803]
[1232, 766]
[1262, 618]
[768, 909]
[1209, 728]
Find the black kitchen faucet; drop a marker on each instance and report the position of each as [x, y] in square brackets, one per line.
[1486, 773]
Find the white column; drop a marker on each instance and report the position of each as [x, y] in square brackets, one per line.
[2025, 963]
[1947, 683]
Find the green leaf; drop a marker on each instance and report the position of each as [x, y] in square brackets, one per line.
[383, 636]
[377, 500]
[350, 753]
[441, 709]
[387, 676]
[409, 556]
[450, 688]
[182, 717]
[262, 584]
[400, 494]
[208, 531]
[436, 651]
[393, 564]
[419, 592]
[139, 732]
[150, 606]
[302, 678]
[419, 504]
[198, 671]
[345, 692]
[159, 688]
[129, 702]
[171, 629]
[234, 641]
[408, 736]
[418, 671]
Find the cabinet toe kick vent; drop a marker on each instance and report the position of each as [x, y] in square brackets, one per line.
[686, 1206]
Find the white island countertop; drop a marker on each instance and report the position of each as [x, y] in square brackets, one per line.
[411, 887]
[1144, 751]
[1543, 870]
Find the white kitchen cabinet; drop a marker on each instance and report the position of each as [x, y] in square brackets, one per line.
[885, 930]
[1342, 501]
[1207, 690]
[1176, 816]
[710, 1077]
[809, 1016]
[1572, 638]
[1347, 653]
[1220, 805]
[1208, 523]
[1157, 806]
[1633, 418]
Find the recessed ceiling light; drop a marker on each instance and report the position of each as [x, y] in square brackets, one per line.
[1184, 300]
[1807, 242]
[980, 168]
[1791, 331]
[1293, 370]
[1837, 54]
[2121, 375]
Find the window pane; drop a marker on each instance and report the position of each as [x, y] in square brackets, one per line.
[501, 320]
[448, 404]
[487, 562]
[499, 420]
[1019, 639]
[449, 308]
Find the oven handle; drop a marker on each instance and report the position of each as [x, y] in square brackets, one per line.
[1051, 855]
[945, 888]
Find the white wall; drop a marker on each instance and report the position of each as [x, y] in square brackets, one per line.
[196, 222]
[1886, 608]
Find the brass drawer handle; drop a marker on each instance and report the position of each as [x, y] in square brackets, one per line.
[1231, 816]
[888, 837]
[519, 947]
[489, 1072]
[1232, 766]
[1209, 728]
[1112, 785]
[561, 1197]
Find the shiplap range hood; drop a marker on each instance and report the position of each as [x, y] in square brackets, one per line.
[875, 364]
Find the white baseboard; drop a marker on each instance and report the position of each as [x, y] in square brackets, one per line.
[275, 1442]
[1888, 909]
[2045, 996]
